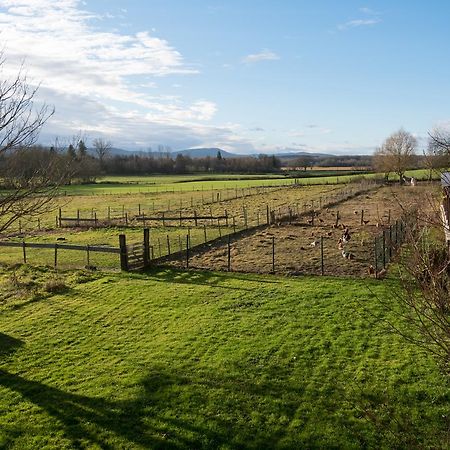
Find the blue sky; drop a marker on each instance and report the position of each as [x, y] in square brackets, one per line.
[246, 76]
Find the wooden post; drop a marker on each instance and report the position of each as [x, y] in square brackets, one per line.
[168, 245]
[376, 258]
[384, 249]
[187, 251]
[95, 219]
[78, 217]
[234, 225]
[389, 216]
[146, 247]
[268, 214]
[229, 253]
[109, 213]
[24, 252]
[139, 209]
[362, 217]
[321, 255]
[56, 256]
[163, 220]
[390, 243]
[126, 219]
[88, 262]
[273, 254]
[59, 217]
[257, 217]
[180, 218]
[245, 218]
[123, 252]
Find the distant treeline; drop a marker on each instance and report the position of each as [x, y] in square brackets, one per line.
[80, 165]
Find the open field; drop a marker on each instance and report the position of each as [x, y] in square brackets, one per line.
[205, 360]
[297, 244]
[244, 209]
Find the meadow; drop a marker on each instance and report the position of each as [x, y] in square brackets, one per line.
[171, 359]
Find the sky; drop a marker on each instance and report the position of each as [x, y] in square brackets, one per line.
[246, 76]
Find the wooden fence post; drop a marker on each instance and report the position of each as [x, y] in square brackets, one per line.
[56, 256]
[24, 252]
[187, 251]
[88, 259]
[146, 247]
[123, 252]
[273, 254]
[321, 256]
[229, 253]
[362, 217]
[376, 258]
[268, 214]
[168, 245]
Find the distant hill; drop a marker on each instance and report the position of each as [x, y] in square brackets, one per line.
[211, 152]
[205, 152]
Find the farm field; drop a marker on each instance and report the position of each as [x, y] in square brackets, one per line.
[298, 243]
[235, 210]
[112, 185]
[246, 211]
[180, 360]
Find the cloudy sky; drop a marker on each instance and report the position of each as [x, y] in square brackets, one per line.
[243, 75]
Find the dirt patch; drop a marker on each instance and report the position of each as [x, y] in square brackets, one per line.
[298, 245]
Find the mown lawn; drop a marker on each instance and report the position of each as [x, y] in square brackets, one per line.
[204, 360]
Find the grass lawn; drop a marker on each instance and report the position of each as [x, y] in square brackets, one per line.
[204, 360]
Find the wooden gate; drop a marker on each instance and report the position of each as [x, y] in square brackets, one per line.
[135, 256]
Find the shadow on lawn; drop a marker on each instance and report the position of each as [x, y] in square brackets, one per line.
[8, 344]
[153, 420]
[219, 279]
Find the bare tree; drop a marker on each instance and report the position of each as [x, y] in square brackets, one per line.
[102, 149]
[438, 151]
[28, 192]
[397, 153]
[20, 122]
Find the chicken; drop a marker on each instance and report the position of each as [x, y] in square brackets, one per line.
[347, 255]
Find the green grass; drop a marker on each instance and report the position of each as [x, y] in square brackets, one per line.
[204, 360]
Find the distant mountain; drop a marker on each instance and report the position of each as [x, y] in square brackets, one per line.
[211, 152]
[205, 152]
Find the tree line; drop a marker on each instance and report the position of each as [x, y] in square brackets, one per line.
[78, 164]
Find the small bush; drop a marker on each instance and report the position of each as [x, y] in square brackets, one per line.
[55, 285]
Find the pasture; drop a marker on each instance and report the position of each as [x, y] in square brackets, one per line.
[182, 360]
[168, 358]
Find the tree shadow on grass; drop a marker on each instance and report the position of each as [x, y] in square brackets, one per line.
[162, 416]
[205, 278]
[8, 344]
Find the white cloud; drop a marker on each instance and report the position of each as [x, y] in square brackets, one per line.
[102, 82]
[358, 23]
[264, 55]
